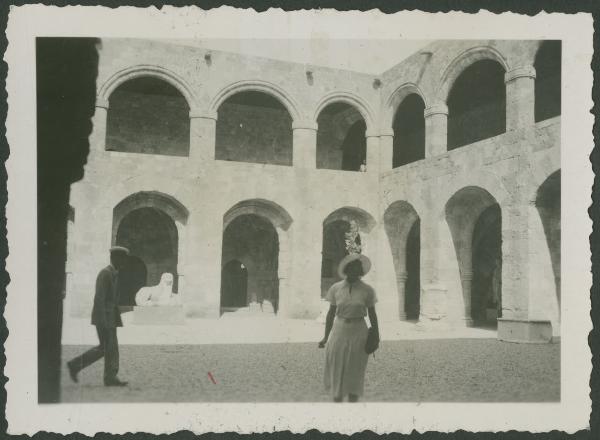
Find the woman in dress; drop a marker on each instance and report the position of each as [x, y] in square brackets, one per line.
[345, 336]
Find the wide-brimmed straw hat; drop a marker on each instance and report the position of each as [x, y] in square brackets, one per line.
[364, 260]
[119, 249]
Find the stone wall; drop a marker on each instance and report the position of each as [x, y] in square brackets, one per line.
[297, 200]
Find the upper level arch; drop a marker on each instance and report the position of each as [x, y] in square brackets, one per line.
[141, 71]
[256, 86]
[464, 60]
[352, 100]
[366, 221]
[394, 101]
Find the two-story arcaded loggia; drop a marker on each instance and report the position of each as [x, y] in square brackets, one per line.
[241, 175]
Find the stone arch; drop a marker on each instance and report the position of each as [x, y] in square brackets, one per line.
[366, 222]
[256, 86]
[469, 210]
[351, 99]
[402, 227]
[141, 71]
[394, 101]
[464, 60]
[271, 214]
[151, 225]
[409, 130]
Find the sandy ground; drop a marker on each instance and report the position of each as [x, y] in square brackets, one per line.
[465, 370]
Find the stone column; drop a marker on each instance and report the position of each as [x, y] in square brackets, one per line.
[373, 153]
[436, 130]
[466, 280]
[386, 147]
[401, 286]
[202, 136]
[305, 145]
[98, 135]
[520, 97]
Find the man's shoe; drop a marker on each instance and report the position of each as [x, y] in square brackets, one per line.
[114, 383]
[72, 372]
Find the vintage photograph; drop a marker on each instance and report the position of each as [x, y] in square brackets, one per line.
[324, 222]
[242, 213]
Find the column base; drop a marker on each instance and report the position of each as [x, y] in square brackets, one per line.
[524, 331]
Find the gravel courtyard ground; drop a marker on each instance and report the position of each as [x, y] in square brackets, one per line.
[466, 370]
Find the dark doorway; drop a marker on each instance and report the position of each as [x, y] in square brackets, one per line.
[152, 237]
[131, 279]
[234, 285]
[412, 298]
[486, 290]
[477, 104]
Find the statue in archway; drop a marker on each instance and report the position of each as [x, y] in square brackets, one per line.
[159, 295]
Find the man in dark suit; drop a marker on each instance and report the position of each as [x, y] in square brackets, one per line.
[106, 316]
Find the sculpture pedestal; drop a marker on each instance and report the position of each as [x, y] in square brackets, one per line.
[159, 315]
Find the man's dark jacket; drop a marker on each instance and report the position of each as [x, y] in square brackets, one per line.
[105, 312]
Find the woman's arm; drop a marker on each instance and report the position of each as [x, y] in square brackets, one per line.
[373, 319]
[328, 324]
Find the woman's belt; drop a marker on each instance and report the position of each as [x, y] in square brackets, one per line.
[361, 318]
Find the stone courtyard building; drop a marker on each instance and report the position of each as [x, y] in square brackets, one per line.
[242, 175]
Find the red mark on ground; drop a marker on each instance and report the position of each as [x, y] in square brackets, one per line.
[212, 378]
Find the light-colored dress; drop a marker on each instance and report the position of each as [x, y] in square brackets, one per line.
[345, 356]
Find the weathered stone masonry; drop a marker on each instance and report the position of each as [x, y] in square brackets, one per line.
[204, 145]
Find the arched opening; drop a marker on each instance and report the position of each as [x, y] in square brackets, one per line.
[474, 219]
[548, 80]
[341, 141]
[148, 115]
[547, 203]
[486, 292]
[152, 239]
[477, 104]
[403, 230]
[234, 285]
[254, 240]
[409, 131]
[254, 127]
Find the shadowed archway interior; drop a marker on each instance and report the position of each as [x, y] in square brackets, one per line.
[148, 115]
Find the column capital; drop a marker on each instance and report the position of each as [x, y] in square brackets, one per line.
[402, 276]
[436, 109]
[388, 132]
[520, 72]
[305, 125]
[101, 102]
[199, 114]
[372, 134]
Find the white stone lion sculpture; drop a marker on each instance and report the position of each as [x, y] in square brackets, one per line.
[159, 295]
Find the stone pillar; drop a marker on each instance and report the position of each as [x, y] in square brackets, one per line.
[304, 300]
[373, 153]
[98, 135]
[401, 286]
[305, 145]
[203, 263]
[466, 280]
[516, 324]
[386, 147]
[520, 97]
[202, 136]
[433, 292]
[436, 130]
